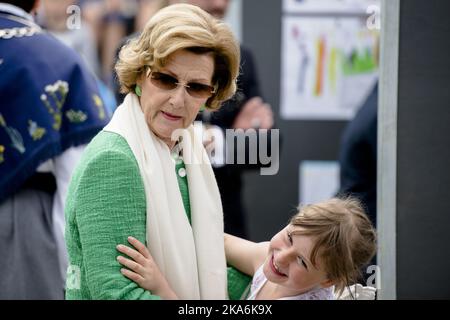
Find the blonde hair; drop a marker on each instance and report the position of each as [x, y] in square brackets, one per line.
[178, 27]
[345, 239]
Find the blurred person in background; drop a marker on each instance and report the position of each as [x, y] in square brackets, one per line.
[147, 8]
[358, 156]
[50, 108]
[54, 16]
[358, 160]
[111, 21]
[63, 19]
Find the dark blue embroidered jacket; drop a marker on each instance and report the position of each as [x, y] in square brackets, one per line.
[48, 101]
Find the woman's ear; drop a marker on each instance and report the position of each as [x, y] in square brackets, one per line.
[140, 79]
[139, 82]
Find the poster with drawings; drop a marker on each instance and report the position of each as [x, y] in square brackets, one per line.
[329, 66]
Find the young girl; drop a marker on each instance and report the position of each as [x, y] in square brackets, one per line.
[325, 245]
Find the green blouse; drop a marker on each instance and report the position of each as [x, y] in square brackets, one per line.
[106, 204]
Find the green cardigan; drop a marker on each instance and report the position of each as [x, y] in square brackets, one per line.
[106, 204]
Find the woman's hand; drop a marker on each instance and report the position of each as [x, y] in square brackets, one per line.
[143, 270]
[254, 114]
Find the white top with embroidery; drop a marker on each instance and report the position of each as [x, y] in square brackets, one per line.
[259, 279]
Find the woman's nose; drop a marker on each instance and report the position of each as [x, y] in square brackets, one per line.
[177, 96]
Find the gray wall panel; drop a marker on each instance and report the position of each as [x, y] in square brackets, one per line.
[423, 159]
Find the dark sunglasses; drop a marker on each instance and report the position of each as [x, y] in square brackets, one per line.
[167, 82]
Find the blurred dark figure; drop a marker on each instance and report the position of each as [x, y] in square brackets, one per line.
[358, 156]
[358, 162]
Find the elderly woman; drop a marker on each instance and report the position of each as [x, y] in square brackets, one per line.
[128, 182]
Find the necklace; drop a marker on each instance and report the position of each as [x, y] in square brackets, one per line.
[18, 32]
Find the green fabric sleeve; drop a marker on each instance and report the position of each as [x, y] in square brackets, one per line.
[238, 284]
[108, 205]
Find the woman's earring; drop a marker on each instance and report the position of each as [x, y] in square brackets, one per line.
[203, 108]
[138, 90]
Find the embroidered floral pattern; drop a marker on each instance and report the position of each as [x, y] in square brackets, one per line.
[35, 131]
[76, 116]
[58, 93]
[2, 149]
[14, 135]
[99, 104]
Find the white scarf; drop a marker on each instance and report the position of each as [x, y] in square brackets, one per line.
[191, 258]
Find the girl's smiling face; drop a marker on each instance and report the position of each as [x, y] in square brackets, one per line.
[288, 263]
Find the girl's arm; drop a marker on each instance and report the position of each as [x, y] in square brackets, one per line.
[247, 256]
[143, 270]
